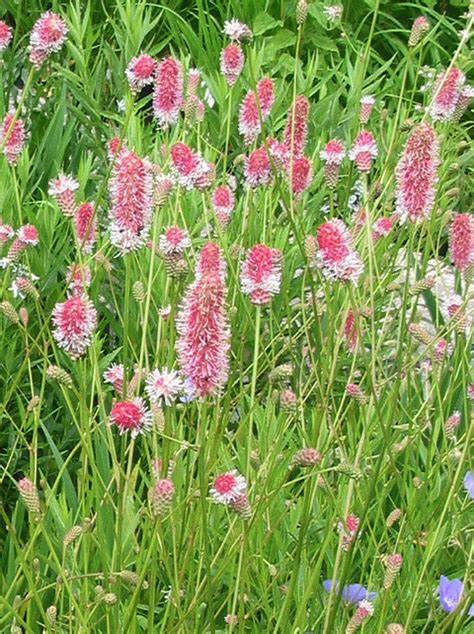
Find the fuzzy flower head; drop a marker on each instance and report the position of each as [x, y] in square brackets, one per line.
[78, 278]
[163, 385]
[336, 256]
[366, 104]
[416, 175]
[382, 227]
[420, 27]
[174, 241]
[232, 62]
[47, 37]
[363, 151]
[85, 227]
[75, 321]
[168, 96]
[461, 241]
[114, 376]
[6, 233]
[257, 168]
[451, 594]
[131, 201]
[28, 234]
[188, 168]
[296, 130]
[131, 416]
[446, 92]
[227, 487]
[260, 275]
[140, 72]
[223, 201]
[301, 174]
[12, 137]
[203, 329]
[5, 35]
[63, 189]
[237, 31]
[255, 109]
[333, 153]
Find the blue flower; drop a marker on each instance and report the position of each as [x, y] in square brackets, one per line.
[353, 593]
[469, 484]
[450, 594]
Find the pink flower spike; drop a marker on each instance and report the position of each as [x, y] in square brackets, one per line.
[461, 241]
[140, 72]
[296, 130]
[168, 95]
[420, 27]
[174, 241]
[416, 175]
[350, 332]
[382, 227]
[366, 105]
[12, 137]
[301, 174]
[75, 321]
[131, 201]
[232, 62]
[131, 416]
[114, 147]
[279, 153]
[266, 96]
[446, 92]
[188, 168]
[163, 385]
[333, 153]
[227, 487]
[257, 168]
[260, 275]
[363, 151]
[47, 37]
[336, 257]
[62, 190]
[114, 375]
[249, 120]
[5, 35]
[237, 31]
[161, 496]
[78, 278]
[28, 234]
[85, 227]
[6, 233]
[223, 200]
[202, 324]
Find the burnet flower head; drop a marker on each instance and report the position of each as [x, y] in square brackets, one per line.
[5, 35]
[332, 155]
[416, 175]
[85, 226]
[188, 168]
[236, 30]
[63, 189]
[254, 109]
[140, 72]
[75, 321]
[227, 487]
[168, 96]
[12, 137]
[163, 385]
[257, 168]
[260, 274]
[446, 93]
[223, 201]
[131, 416]
[296, 129]
[232, 61]
[363, 151]
[461, 241]
[336, 256]
[47, 37]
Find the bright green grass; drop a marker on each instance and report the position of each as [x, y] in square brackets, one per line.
[268, 571]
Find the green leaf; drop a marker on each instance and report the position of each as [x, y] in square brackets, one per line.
[264, 22]
[282, 39]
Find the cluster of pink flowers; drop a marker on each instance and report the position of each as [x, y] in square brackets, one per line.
[75, 321]
[296, 129]
[85, 227]
[230, 489]
[461, 241]
[348, 530]
[12, 137]
[163, 385]
[260, 275]
[255, 109]
[62, 190]
[131, 416]
[140, 72]
[26, 236]
[336, 256]
[168, 94]
[257, 168]
[114, 376]
[416, 175]
[446, 93]
[366, 104]
[232, 62]
[47, 37]
[5, 35]
[332, 155]
[189, 169]
[202, 324]
[223, 201]
[131, 201]
[363, 151]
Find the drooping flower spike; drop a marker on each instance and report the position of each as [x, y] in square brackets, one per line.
[232, 62]
[168, 96]
[203, 329]
[446, 93]
[260, 275]
[62, 190]
[461, 241]
[416, 175]
[5, 35]
[363, 151]
[131, 416]
[75, 321]
[47, 37]
[12, 137]
[140, 72]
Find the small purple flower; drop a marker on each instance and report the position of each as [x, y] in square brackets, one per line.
[353, 593]
[469, 484]
[450, 594]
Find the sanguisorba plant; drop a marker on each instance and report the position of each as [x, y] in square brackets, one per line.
[236, 318]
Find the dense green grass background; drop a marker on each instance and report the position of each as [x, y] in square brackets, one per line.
[270, 570]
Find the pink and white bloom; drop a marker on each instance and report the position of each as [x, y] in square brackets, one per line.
[5, 35]
[237, 31]
[461, 241]
[26, 236]
[75, 321]
[174, 241]
[420, 27]
[223, 201]
[333, 12]
[446, 92]
[78, 278]
[140, 72]
[131, 416]
[114, 375]
[63, 189]
[266, 96]
[416, 175]
[366, 104]
[382, 227]
[336, 256]
[47, 37]
[6, 233]
[257, 168]
[188, 168]
[296, 130]
[260, 275]
[363, 151]
[232, 62]
[255, 109]
[131, 201]
[163, 385]
[300, 173]
[203, 328]
[332, 155]
[228, 487]
[85, 227]
[12, 137]
[168, 96]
